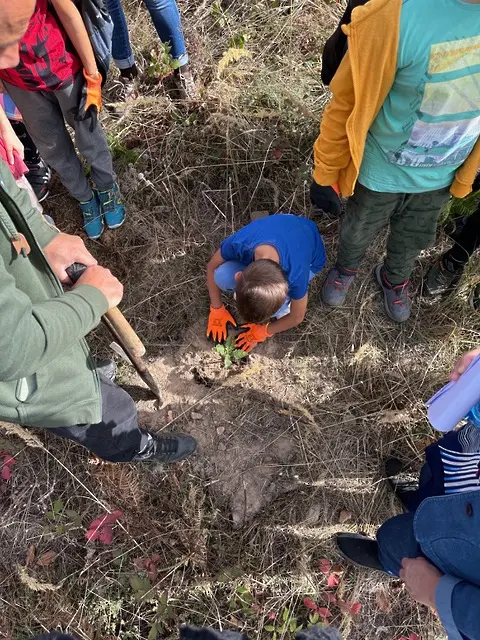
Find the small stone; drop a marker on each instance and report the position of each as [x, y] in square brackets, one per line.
[345, 516]
[220, 431]
[196, 416]
[170, 416]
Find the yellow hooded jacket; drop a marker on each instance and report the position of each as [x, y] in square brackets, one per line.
[360, 87]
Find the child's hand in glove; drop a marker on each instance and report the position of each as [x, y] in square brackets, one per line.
[217, 323]
[253, 334]
[91, 100]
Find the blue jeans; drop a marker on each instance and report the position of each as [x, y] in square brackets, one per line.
[225, 279]
[396, 537]
[167, 21]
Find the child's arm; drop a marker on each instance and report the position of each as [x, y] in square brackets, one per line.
[9, 137]
[298, 308]
[213, 289]
[255, 333]
[73, 24]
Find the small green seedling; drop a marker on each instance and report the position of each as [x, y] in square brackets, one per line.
[229, 352]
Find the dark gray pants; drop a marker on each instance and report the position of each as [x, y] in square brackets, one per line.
[45, 114]
[117, 438]
[412, 217]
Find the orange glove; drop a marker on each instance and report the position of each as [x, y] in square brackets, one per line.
[217, 323]
[253, 334]
[91, 100]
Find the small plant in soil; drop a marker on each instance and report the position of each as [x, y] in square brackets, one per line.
[229, 352]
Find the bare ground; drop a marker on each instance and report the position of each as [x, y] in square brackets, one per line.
[292, 441]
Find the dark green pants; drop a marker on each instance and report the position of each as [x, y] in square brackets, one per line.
[413, 221]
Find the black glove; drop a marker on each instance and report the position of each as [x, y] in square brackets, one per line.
[326, 199]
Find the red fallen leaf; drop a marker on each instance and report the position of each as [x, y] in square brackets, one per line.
[6, 473]
[277, 154]
[272, 615]
[324, 565]
[413, 636]
[310, 604]
[332, 580]
[338, 569]
[323, 612]
[105, 535]
[101, 528]
[353, 608]
[108, 518]
[8, 462]
[331, 598]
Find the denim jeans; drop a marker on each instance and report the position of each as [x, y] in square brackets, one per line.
[167, 21]
[396, 538]
[225, 279]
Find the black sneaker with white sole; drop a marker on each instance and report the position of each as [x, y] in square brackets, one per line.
[173, 447]
[403, 484]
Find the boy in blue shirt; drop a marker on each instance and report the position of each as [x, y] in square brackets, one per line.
[268, 264]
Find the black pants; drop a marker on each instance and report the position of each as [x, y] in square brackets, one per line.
[467, 241]
[117, 438]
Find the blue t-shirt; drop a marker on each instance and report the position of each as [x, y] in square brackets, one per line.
[430, 121]
[297, 240]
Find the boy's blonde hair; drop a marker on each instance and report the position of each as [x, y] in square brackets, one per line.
[262, 289]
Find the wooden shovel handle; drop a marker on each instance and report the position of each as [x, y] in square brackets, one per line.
[124, 330]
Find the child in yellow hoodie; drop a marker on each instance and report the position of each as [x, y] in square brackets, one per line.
[400, 135]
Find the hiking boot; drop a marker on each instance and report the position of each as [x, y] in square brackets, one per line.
[474, 298]
[336, 286]
[170, 448]
[185, 84]
[112, 208]
[396, 299]
[359, 550]
[441, 278]
[39, 175]
[403, 484]
[92, 218]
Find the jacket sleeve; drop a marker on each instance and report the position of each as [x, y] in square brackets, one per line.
[331, 150]
[458, 605]
[33, 335]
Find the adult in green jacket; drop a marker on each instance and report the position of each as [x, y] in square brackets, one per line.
[47, 375]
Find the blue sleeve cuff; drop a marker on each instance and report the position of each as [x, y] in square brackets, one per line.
[443, 603]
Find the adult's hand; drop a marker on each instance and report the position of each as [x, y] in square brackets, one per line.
[421, 580]
[105, 281]
[63, 251]
[326, 198]
[462, 365]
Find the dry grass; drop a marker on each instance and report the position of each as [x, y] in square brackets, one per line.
[340, 393]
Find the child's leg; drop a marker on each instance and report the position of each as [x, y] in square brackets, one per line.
[225, 275]
[396, 540]
[412, 228]
[45, 123]
[167, 21]
[92, 145]
[367, 212]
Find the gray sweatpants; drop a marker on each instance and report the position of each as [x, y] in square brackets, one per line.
[44, 114]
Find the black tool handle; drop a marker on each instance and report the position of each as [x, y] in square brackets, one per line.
[75, 271]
